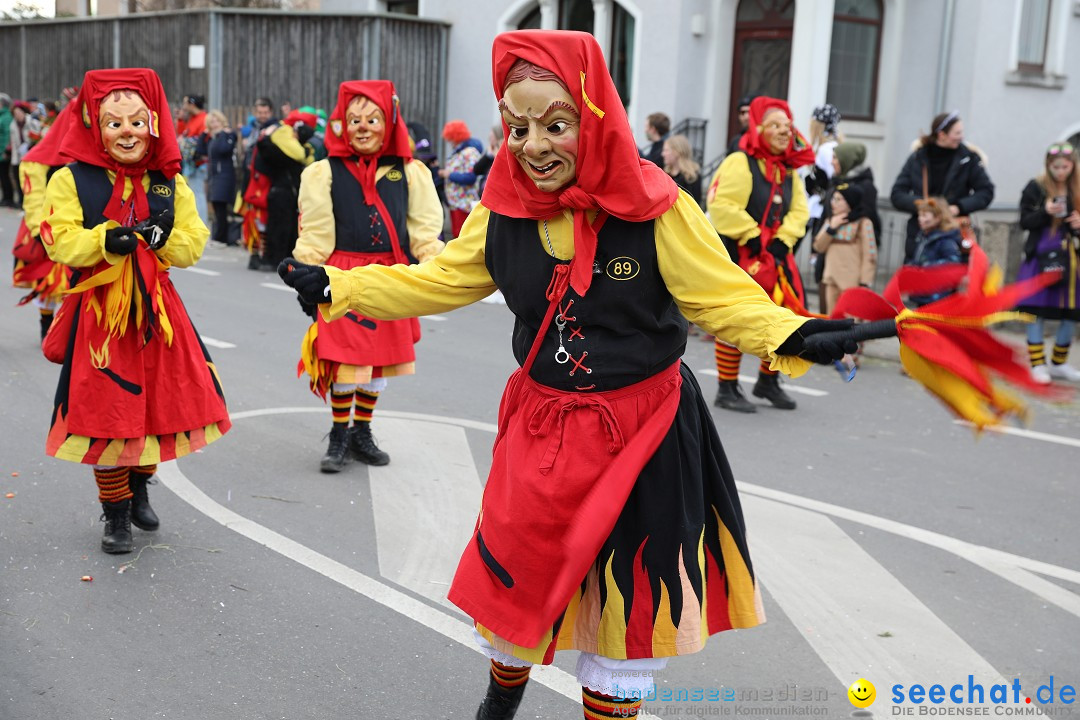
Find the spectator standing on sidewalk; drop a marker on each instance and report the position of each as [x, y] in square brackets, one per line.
[193, 112]
[744, 123]
[221, 176]
[678, 162]
[459, 174]
[22, 129]
[942, 166]
[1048, 211]
[657, 127]
[846, 241]
[7, 196]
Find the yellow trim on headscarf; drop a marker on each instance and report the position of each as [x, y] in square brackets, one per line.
[589, 103]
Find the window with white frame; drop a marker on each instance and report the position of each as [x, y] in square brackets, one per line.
[853, 60]
[1034, 33]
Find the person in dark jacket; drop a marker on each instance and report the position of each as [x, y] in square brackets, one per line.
[942, 166]
[657, 127]
[850, 168]
[220, 141]
[744, 123]
[283, 153]
[1048, 211]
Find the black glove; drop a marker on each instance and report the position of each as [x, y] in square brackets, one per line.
[310, 281]
[312, 311]
[121, 241]
[780, 251]
[156, 230]
[821, 341]
[753, 246]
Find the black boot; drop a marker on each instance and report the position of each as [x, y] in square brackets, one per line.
[255, 262]
[768, 388]
[142, 515]
[46, 323]
[730, 397]
[117, 517]
[500, 703]
[363, 446]
[337, 453]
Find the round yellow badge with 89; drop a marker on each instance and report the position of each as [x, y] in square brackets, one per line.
[862, 693]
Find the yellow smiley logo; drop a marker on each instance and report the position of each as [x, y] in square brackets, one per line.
[862, 693]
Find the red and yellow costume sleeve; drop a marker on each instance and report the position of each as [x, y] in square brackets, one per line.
[69, 243]
[317, 239]
[729, 192]
[708, 288]
[33, 178]
[285, 139]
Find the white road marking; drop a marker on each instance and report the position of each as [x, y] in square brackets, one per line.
[787, 386]
[216, 343]
[437, 491]
[201, 271]
[1029, 434]
[277, 286]
[432, 618]
[1014, 568]
[434, 318]
[841, 600]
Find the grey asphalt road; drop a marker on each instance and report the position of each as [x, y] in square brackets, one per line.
[892, 543]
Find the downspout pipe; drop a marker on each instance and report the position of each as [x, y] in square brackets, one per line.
[946, 54]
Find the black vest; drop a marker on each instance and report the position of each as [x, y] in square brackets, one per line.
[94, 189]
[628, 322]
[358, 227]
[761, 192]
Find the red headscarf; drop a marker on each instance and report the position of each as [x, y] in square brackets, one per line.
[395, 141]
[47, 152]
[610, 174]
[81, 136]
[798, 152]
[309, 119]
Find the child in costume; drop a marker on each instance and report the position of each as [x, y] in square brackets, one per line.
[368, 203]
[137, 385]
[610, 522]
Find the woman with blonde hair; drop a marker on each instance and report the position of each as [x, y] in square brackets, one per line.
[220, 150]
[1048, 211]
[679, 163]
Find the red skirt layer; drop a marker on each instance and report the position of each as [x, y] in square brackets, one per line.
[567, 463]
[357, 340]
[130, 386]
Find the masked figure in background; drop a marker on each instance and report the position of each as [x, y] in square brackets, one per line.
[758, 205]
[137, 385]
[368, 203]
[284, 151]
[45, 279]
[610, 521]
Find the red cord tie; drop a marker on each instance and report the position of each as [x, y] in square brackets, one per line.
[549, 419]
[579, 364]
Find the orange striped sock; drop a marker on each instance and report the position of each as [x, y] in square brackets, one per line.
[509, 676]
[763, 368]
[727, 361]
[341, 406]
[146, 470]
[598, 706]
[112, 484]
[365, 405]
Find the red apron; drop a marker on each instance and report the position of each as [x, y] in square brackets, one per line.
[564, 464]
[356, 340]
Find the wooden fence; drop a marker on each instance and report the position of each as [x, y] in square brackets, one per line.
[286, 56]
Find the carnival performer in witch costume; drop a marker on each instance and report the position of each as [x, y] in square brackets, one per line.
[45, 279]
[757, 203]
[610, 521]
[137, 385]
[368, 203]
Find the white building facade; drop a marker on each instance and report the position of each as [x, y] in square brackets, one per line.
[888, 65]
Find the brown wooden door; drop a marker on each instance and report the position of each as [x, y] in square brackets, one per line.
[762, 52]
